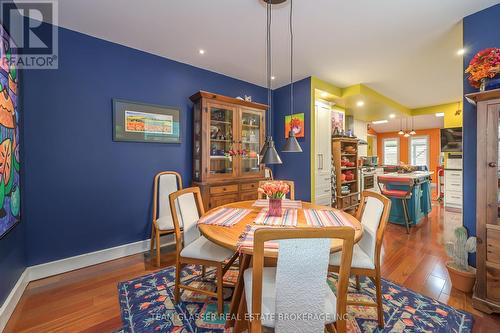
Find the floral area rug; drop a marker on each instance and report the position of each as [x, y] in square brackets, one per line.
[147, 306]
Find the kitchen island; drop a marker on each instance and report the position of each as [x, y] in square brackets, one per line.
[420, 202]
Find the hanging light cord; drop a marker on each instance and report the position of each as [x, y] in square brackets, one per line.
[269, 63]
[291, 57]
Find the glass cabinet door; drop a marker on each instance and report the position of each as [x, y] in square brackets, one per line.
[221, 150]
[251, 133]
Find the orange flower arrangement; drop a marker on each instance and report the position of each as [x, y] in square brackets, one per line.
[485, 64]
[274, 189]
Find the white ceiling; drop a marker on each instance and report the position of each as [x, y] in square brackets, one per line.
[419, 122]
[405, 50]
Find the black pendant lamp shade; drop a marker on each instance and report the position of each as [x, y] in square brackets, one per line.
[264, 148]
[271, 155]
[291, 144]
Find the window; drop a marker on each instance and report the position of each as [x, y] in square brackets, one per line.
[391, 151]
[419, 150]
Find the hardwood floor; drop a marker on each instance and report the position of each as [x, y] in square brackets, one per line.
[86, 300]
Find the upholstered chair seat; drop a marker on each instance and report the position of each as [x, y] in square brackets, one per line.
[204, 249]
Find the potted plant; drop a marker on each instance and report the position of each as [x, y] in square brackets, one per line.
[462, 275]
[275, 192]
[483, 67]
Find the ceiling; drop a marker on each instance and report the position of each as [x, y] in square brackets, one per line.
[419, 122]
[405, 50]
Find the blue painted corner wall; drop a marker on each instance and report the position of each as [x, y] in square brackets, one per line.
[296, 166]
[480, 31]
[85, 192]
[12, 245]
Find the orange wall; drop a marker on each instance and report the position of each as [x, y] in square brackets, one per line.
[435, 149]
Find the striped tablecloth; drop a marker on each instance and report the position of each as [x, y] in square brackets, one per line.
[226, 217]
[327, 218]
[246, 239]
[288, 218]
[296, 204]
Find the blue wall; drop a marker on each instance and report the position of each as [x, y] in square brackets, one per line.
[85, 192]
[481, 31]
[296, 166]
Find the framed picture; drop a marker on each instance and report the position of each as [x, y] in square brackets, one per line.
[10, 189]
[296, 123]
[338, 120]
[140, 122]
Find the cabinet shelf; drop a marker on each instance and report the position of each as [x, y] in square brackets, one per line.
[347, 154]
[251, 126]
[220, 122]
[349, 181]
[348, 168]
[219, 140]
[219, 157]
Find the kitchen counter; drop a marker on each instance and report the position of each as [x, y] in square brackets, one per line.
[420, 202]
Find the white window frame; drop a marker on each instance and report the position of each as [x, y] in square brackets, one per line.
[383, 149]
[427, 138]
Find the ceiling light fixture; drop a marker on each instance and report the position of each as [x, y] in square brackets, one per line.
[412, 132]
[392, 116]
[268, 151]
[201, 51]
[406, 135]
[291, 144]
[401, 127]
[360, 103]
[324, 94]
[461, 52]
[379, 121]
[440, 114]
[273, 77]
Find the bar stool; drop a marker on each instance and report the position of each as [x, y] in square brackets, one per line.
[402, 195]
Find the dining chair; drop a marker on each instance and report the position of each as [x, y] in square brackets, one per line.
[165, 182]
[268, 173]
[398, 194]
[373, 213]
[290, 183]
[298, 285]
[192, 248]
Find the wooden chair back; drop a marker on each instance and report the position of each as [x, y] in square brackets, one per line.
[187, 205]
[165, 182]
[267, 234]
[373, 212]
[291, 184]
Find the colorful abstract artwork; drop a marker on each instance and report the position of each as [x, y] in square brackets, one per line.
[9, 138]
[295, 122]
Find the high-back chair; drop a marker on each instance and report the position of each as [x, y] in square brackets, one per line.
[403, 195]
[291, 194]
[373, 213]
[298, 285]
[268, 173]
[191, 247]
[165, 182]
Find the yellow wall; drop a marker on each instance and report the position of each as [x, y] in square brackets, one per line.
[452, 118]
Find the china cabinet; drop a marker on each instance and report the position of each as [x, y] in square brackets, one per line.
[227, 136]
[487, 289]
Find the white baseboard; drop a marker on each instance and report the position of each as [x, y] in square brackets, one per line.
[11, 301]
[41, 271]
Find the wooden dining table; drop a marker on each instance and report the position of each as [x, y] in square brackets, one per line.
[228, 237]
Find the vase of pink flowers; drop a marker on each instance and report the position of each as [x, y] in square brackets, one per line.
[275, 191]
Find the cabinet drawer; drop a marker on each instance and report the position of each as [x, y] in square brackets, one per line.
[493, 245]
[354, 200]
[249, 186]
[453, 186]
[223, 189]
[220, 200]
[492, 283]
[453, 176]
[252, 195]
[343, 202]
[453, 197]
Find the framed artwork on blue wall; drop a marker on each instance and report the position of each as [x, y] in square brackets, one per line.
[10, 193]
[140, 122]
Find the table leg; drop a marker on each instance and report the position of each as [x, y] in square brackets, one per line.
[238, 290]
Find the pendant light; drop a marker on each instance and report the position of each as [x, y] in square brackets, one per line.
[407, 133]
[412, 130]
[401, 126]
[268, 151]
[291, 144]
